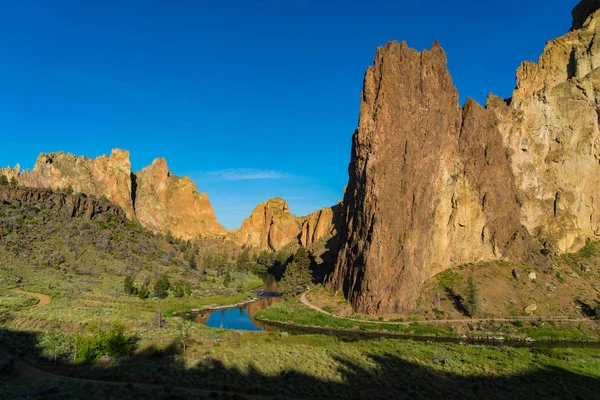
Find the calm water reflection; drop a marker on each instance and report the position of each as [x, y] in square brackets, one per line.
[241, 318]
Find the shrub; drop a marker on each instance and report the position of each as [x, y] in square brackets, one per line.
[3, 180]
[472, 301]
[128, 285]
[14, 182]
[243, 262]
[144, 293]
[187, 288]
[96, 342]
[178, 290]
[182, 333]
[54, 344]
[227, 280]
[297, 276]
[161, 287]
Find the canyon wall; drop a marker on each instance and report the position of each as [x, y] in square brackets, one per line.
[433, 185]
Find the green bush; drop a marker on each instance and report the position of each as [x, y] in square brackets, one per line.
[161, 287]
[472, 302]
[54, 344]
[144, 293]
[178, 290]
[243, 262]
[297, 276]
[227, 280]
[128, 285]
[96, 342]
[3, 180]
[87, 346]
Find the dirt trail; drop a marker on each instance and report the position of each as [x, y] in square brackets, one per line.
[44, 299]
[308, 304]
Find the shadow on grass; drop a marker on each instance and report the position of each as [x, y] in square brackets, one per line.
[391, 377]
[586, 309]
[457, 301]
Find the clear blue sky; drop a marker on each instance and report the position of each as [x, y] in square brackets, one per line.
[252, 99]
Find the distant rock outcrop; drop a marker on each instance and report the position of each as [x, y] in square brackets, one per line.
[165, 202]
[161, 201]
[320, 224]
[103, 176]
[434, 185]
[271, 226]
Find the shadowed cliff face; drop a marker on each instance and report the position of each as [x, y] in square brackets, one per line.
[433, 185]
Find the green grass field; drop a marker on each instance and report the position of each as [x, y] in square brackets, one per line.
[82, 264]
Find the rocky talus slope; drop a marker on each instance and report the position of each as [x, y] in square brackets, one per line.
[434, 185]
[160, 200]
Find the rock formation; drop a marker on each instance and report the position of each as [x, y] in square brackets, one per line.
[161, 201]
[73, 205]
[433, 185]
[165, 202]
[320, 224]
[271, 226]
[103, 176]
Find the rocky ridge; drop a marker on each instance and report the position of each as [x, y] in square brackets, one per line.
[434, 185]
[161, 201]
[272, 226]
[73, 205]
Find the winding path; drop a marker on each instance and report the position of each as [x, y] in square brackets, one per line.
[308, 304]
[44, 299]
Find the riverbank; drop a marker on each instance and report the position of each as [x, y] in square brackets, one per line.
[294, 314]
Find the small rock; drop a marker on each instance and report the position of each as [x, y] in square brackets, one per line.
[574, 275]
[515, 274]
[532, 276]
[284, 334]
[585, 268]
[513, 302]
[530, 309]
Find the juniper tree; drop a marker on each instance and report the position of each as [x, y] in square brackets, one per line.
[472, 302]
[297, 276]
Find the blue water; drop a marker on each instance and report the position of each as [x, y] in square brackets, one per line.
[234, 318]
